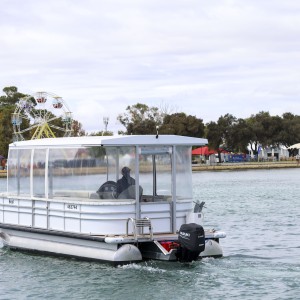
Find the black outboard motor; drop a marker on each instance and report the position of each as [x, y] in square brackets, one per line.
[192, 242]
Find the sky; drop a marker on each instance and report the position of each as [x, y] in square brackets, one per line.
[204, 58]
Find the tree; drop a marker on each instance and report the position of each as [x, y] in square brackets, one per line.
[275, 127]
[7, 107]
[214, 135]
[239, 136]
[181, 124]
[102, 133]
[259, 126]
[77, 129]
[12, 96]
[226, 124]
[290, 131]
[6, 129]
[220, 134]
[140, 119]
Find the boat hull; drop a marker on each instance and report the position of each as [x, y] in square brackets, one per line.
[119, 250]
[72, 246]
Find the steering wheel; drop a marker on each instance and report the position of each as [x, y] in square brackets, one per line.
[108, 190]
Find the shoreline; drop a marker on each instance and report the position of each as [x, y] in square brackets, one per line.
[245, 166]
[230, 166]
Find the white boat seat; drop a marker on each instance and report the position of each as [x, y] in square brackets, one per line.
[130, 193]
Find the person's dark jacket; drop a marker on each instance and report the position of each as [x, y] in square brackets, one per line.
[123, 184]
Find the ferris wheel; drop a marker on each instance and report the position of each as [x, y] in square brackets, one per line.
[42, 114]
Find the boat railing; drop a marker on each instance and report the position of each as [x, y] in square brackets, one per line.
[137, 224]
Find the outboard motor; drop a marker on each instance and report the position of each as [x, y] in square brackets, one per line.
[192, 242]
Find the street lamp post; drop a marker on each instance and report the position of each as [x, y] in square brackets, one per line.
[105, 121]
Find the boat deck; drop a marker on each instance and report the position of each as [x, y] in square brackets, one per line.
[209, 234]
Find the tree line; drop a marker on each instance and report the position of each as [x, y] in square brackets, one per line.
[228, 132]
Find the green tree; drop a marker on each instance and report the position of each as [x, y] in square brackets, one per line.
[102, 133]
[77, 129]
[220, 134]
[11, 96]
[275, 127]
[226, 124]
[7, 107]
[182, 124]
[239, 138]
[260, 128]
[214, 135]
[290, 131]
[140, 119]
[6, 129]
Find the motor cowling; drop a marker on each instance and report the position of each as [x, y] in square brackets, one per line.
[192, 242]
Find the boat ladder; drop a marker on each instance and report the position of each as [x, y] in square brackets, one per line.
[140, 223]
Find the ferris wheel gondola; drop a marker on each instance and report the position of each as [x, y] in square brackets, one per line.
[44, 113]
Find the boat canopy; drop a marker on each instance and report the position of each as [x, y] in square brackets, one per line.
[133, 140]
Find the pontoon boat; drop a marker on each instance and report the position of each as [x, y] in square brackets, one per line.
[62, 198]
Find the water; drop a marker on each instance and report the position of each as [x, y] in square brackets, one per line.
[260, 212]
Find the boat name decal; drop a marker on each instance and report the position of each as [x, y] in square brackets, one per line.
[72, 206]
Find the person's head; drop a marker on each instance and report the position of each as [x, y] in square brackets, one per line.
[125, 171]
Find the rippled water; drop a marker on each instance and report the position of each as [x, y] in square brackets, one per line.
[260, 212]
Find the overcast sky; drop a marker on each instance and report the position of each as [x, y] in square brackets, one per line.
[204, 58]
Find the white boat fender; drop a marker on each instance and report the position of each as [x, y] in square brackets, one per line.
[127, 253]
[212, 249]
[114, 240]
[219, 234]
[4, 236]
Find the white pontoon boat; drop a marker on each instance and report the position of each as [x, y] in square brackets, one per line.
[63, 198]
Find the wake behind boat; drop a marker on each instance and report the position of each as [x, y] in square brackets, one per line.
[116, 199]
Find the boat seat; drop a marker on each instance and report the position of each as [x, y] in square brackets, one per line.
[130, 193]
[94, 196]
[160, 198]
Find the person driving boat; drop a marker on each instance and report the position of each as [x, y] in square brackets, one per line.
[125, 182]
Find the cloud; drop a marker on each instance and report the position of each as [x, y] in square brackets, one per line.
[207, 58]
